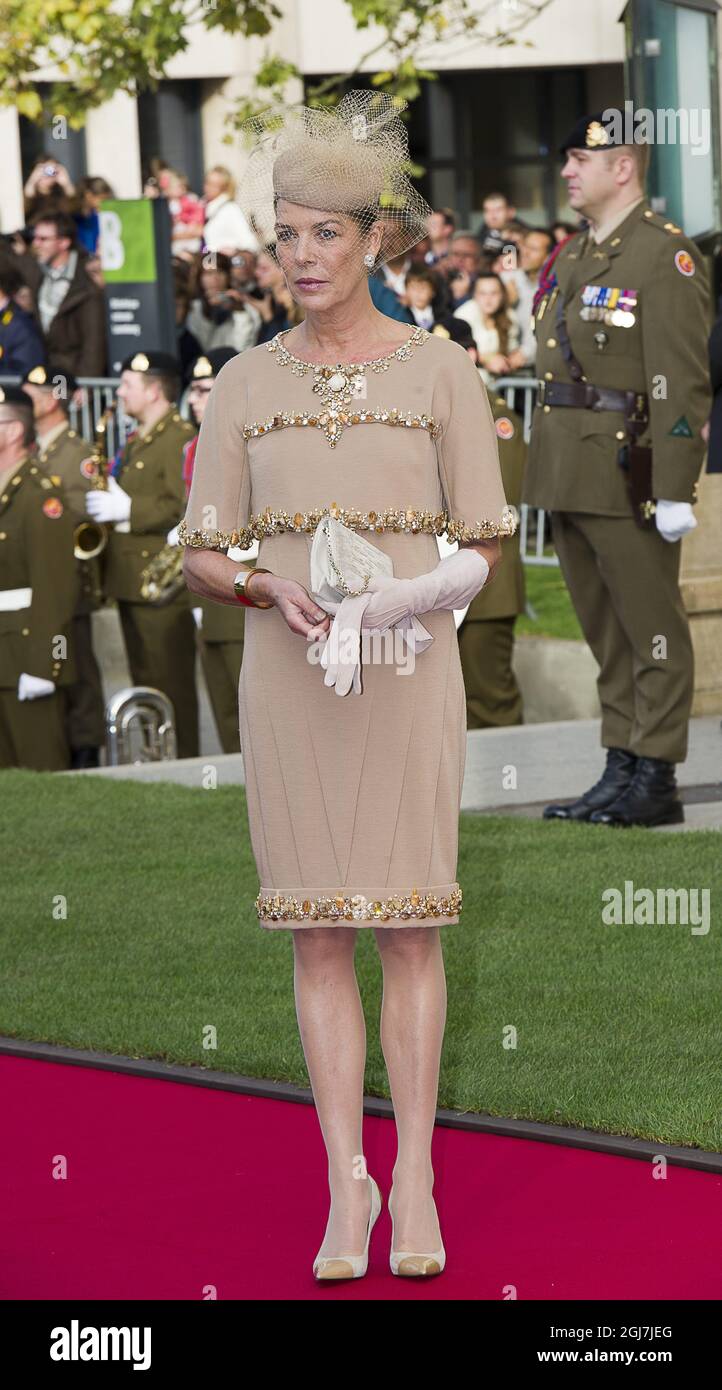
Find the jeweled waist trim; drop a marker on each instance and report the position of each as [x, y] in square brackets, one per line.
[334, 420]
[280, 908]
[409, 520]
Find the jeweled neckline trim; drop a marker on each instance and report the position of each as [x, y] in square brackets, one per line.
[418, 336]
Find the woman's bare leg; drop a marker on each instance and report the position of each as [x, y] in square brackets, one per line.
[413, 1017]
[333, 1035]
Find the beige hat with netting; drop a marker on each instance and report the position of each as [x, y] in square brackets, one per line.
[350, 159]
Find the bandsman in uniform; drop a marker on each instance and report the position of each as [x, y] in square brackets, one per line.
[616, 449]
[38, 597]
[219, 626]
[66, 456]
[144, 502]
[486, 635]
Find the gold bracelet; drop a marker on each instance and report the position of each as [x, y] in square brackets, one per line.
[257, 569]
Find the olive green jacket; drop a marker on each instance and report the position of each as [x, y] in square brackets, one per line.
[68, 460]
[151, 473]
[505, 596]
[36, 553]
[654, 341]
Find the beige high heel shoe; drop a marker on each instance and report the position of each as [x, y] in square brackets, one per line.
[412, 1262]
[350, 1266]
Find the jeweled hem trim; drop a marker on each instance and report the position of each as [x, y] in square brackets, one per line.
[409, 520]
[460, 530]
[277, 907]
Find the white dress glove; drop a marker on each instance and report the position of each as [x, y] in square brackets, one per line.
[111, 506]
[34, 687]
[674, 519]
[391, 602]
[172, 537]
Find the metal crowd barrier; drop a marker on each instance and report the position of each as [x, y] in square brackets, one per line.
[518, 391]
[99, 396]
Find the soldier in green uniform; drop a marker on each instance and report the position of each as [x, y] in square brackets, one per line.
[616, 449]
[486, 636]
[144, 501]
[486, 633]
[67, 457]
[219, 626]
[38, 596]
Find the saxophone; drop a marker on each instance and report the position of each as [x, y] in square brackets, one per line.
[162, 579]
[91, 537]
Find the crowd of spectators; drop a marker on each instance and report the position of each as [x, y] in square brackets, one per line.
[230, 293]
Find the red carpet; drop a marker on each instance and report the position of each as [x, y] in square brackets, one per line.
[177, 1192]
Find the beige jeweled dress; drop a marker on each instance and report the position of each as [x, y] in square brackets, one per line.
[353, 801]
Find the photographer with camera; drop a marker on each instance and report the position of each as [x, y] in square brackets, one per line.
[48, 187]
[222, 316]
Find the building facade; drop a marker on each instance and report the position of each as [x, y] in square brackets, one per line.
[492, 121]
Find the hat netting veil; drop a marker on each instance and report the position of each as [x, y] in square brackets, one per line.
[349, 159]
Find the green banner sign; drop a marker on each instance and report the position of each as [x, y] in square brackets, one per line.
[127, 241]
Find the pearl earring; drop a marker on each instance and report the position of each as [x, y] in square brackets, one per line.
[369, 260]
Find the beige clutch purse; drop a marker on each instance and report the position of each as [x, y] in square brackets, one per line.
[343, 562]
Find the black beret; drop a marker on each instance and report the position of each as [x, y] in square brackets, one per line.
[456, 329]
[14, 395]
[152, 364]
[603, 131]
[50, 376]
[209, 363]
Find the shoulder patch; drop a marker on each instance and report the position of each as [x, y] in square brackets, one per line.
[504, 427]
[53, 507]
[685, 263]
[681, 430]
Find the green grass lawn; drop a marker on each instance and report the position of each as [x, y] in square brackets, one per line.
[548, 596]
[617, 1026]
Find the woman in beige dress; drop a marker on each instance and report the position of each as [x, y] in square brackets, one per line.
[353, 802]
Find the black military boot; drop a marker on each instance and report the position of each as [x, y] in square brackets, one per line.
[85, 757]
[651, 798]
[613, 782]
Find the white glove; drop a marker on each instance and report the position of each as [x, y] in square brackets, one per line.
[674, 519]
[451, 584]
[111, 506]
[391, 602]
[197, 616]
[34, 687]
[172, 537]
[341, 656]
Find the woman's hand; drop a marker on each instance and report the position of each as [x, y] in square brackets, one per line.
[294, 603]
[496, 363]
[391, 601]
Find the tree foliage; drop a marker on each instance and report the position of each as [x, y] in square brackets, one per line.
[86, 50]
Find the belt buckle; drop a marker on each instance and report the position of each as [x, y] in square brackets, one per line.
[640, 415]
[541, 392]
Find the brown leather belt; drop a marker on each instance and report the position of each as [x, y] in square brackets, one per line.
[583, 395]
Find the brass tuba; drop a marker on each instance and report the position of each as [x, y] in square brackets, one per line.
[91, 537]
[140, 726]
